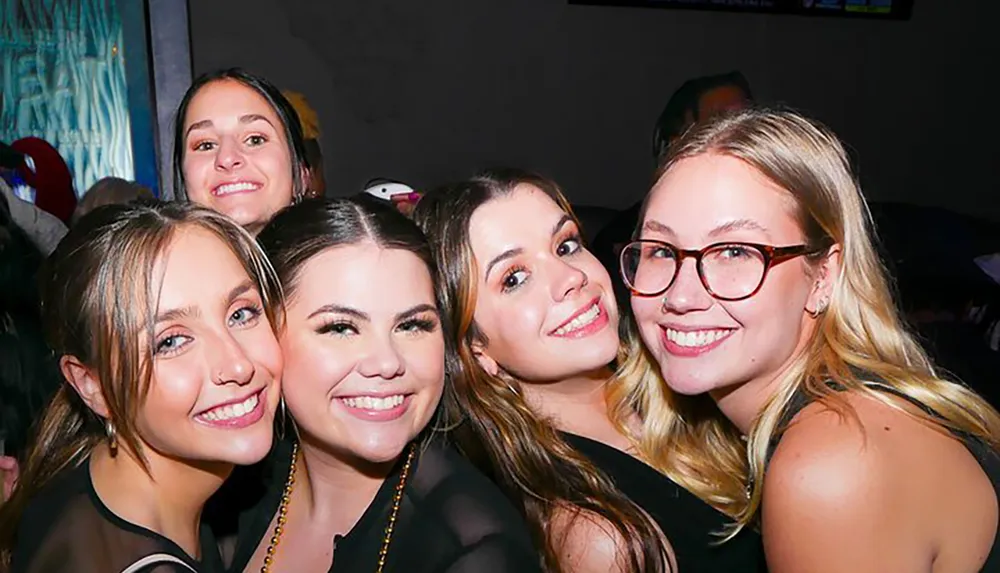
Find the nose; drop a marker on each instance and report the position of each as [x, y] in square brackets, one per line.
[232, 365]
[229, 155]
[568, 279]
[687, 294]
[381, 360]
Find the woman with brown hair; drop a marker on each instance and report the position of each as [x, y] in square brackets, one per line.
[535, 322]
[161, 319]
[361, 480]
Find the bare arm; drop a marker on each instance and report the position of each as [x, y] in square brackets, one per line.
[835, 502]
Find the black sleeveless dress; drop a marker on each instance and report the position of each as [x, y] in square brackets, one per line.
[988, 458]
[689, 523]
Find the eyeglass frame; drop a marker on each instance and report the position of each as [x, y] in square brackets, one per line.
[772, 256]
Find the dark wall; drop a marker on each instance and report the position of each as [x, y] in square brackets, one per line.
[430, 90]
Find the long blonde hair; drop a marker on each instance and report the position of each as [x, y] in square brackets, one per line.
[98, 296]
[494, 426]
[686, 437]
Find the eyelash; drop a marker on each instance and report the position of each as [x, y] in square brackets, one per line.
[161, 346]
[341, 327]
[514, 270]
[207, 145]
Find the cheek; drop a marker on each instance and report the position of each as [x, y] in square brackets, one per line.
[196, 169]
[426, 362]
[647, 314]
[311, 369]
[262, 348]
[174, 391]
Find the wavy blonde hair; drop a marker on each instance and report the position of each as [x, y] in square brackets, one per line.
[686, 437]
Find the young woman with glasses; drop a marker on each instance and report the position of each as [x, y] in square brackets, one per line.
[795, 398]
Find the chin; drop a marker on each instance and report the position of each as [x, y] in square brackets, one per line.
[683, 381]
[383, 450]
[246, 452]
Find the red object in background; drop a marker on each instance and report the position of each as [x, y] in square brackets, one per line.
[51, 178]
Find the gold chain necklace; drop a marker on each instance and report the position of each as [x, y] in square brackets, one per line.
[279, 526]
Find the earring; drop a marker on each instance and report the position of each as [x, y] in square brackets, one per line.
[109, 429]
[284, 418]
[820, 308]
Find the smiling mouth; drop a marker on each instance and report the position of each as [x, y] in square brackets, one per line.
[581, 320]
[236, 187]
[696, 338]
[375, 403]
[245, 412]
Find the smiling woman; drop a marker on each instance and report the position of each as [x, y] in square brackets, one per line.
[365, 483]
[162, 318]
[238, 148]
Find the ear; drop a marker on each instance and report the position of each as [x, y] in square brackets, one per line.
[84, 380]
[825, 273]
[306, 175]
[485, 360]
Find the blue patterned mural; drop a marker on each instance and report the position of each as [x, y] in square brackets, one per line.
[62, 78]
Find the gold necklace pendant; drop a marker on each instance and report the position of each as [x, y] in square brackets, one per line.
[279, 527]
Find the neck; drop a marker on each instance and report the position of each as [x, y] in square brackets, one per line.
[577, 404]
[336, 491]
[168, 499]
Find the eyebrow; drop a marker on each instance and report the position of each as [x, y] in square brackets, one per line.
[738, 225]
[244, 119]
[561, 223]
[193, 311]
[339, 309]
[508, 254]
[410, 313]
[657, 227]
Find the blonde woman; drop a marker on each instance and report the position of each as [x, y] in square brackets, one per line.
[797, 399]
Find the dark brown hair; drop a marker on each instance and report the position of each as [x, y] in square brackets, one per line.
[495, 428]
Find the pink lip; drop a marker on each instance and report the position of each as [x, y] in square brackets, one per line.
[377, 415]
[599, 323]
[248, 419]
[690, 351]
[256, 187]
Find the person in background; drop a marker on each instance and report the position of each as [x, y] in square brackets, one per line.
[110, 191]
[311, 134]
[29, 374]
[238, 148]
[695, 100]
[48, 181]
[42, 228]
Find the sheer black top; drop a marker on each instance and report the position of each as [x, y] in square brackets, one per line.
[452, 519]
[690, 524]
[66, 528]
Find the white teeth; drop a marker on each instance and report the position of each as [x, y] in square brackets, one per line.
[232, 410]
[580, 321]
[374, 402]
[235, 187]
[695, 338]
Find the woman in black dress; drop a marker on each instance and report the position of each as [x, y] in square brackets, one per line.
[536, 325]
[161, 316]
[361, 483]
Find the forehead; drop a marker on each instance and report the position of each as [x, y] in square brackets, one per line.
[701, 193]
[524, 215]
[365, 276]
[228, 98]
[196, 266]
